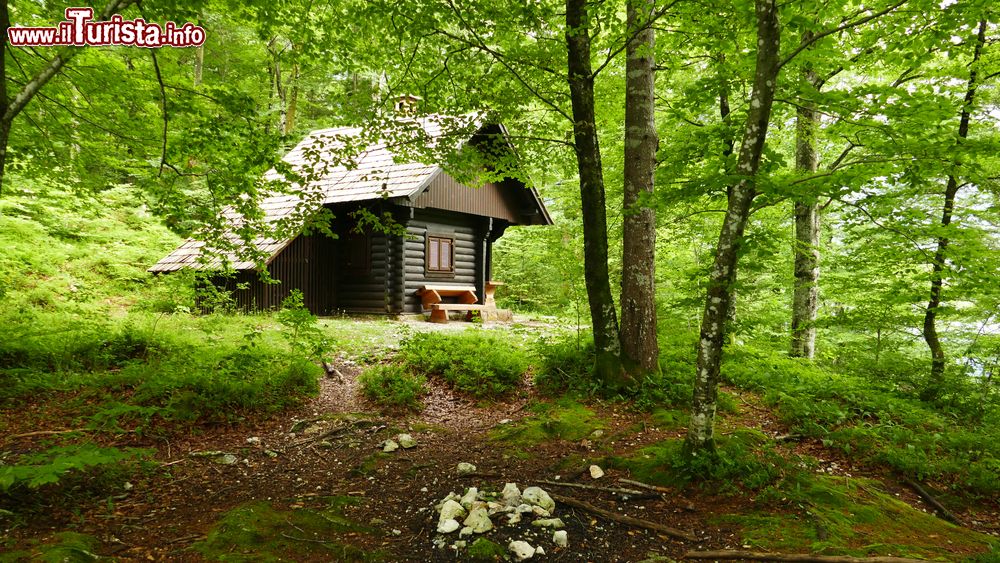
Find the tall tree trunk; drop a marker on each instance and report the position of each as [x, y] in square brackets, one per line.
[934, 383]
[638, 328]
[199, 64]
[608, 365]
[728, 144]
[805, 294]
[293, 100]
[719, 295]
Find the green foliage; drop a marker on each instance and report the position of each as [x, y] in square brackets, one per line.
[302, 332]
[393, 386]
[48, 467]
[745, 457]
[874, 421]
[473, 362]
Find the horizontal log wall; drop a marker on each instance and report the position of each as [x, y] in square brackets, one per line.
[467, 233]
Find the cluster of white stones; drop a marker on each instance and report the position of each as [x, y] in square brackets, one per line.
[473, 511]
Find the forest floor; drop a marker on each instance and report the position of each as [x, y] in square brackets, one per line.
[313, 483]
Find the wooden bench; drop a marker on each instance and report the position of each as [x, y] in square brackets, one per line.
[431, 297]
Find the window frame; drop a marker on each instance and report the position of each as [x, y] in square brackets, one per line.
[436, 270]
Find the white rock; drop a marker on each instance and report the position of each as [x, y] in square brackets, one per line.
[479, 521]
[451, 496]
[549, 523]
[511, 494]
[448, 526]
[469, 498]
[521, 549]
[596, 472]
[465, 468]
[406, 441]
[560, 538]
[466, 531]
[537, 497]
[451, 510]
[539, 551]
[390, 446]
[513, 518]
[540, 512]
[524, 508]
[459, 544]
[253, 440]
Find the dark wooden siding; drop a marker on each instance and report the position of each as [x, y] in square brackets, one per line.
[368, 292]
[467, 232]
[491, 200]
[307, 264]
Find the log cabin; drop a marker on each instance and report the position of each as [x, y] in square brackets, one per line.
[438, 257]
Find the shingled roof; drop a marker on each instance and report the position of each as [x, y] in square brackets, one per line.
[376, 172]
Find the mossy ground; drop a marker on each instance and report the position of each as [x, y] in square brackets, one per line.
[259, 532]
[564, 419]
[852, 516]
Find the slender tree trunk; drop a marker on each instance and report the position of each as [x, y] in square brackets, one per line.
[608, 366]
[719, 296]
[938, 359]
[638, 331]
[805, 295]
[728, 144]
[199, 64]
[293, 100]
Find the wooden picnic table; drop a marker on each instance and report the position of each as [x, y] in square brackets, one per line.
[431, 297]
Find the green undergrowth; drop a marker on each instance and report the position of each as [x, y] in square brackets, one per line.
[259, 532]
[483, 365]
[850, 516]
[874, 422]
[63, 547]
[745, 459]
[393, 387]
[564, 419]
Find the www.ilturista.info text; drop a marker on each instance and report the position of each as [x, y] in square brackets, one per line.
[79, 29]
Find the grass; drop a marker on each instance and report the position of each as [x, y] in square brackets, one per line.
[391, 386]
[564, 419]
[259, 532]
[483, 365]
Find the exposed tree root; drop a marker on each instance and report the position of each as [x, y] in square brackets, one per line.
[627, 520]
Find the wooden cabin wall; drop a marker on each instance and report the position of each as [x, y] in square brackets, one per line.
[307, 264]
[367, 292]
[467, 232]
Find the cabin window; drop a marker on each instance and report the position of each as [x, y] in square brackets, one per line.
[440, 255]
[358, 254]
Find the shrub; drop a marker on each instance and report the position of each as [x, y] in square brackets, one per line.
[392, 386]
[44, 468]
[566, 365]
[482, 365]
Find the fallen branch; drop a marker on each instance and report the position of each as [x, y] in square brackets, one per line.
[757, 556]
[942, 512]
[627, 492]
[47, 433]
[644, 485]
[332, 371]
[627, 520]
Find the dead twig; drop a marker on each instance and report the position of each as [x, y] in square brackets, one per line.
[757, 556]
[627, 520]
[46, 433]
[644, 485]
[617, 491]
[942, 512]
[283, 534]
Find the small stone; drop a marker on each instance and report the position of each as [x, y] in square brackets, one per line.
[537, 497]
[466, 531]
[448, 526]
[460, 544]
[505, 421]
[396, 532]
[524, 508]
[479, 521]
[521, 549]
[560, 538]
[596, 472]
[513, 518]
[540, 512]
[253, 440]
[539, 551]
[466, 468]
[390, 446]
[127, 486]
[469, 498]
[451, 510]
[511, 494]
[549, 523]
[406, 441]
[423, 489]
[227, 459]
[597, 434]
